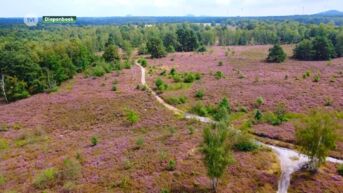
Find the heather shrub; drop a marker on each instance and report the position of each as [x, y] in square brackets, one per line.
[220, 63]
[45, 178]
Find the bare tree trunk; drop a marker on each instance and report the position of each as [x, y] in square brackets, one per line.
[3, 86]
[214, 184]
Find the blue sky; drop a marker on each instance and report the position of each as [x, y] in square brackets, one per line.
[20, 8]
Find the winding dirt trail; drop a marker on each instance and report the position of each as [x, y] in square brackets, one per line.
[290, 160]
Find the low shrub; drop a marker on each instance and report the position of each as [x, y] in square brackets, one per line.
[165, 190]
[340, 169]
[160, 85]
[132, 116]
[245, 143]
[220, 63]
[94, 140]
[139, 143]
[176, 100]
[316, 78]
[219, 75]
[45, 178]
[3, 144]
[259, 101]
[171, 165]
[200, 110]
[258, 114]
[71, 169]
[200, 94]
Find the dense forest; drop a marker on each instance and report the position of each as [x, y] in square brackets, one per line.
[34, 60]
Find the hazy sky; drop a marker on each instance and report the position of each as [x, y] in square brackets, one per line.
[20, 8]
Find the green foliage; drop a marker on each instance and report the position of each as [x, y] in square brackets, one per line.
[245, 143]
[316, 135]
[176, 100]
[187, 40]
[143, 62]
[139, 143]
[200, 94]
[3, 144]
[164, 190]
[259, 101]
[15, 89]
[319, 48]
[201, 48]
[276, 54]
[71, 169]
[258, 114]
[316, 78]
[219, 75]
[160, 85]
[340, 169]
[46, 178]
[94, 140]
[111, 54]
[216, 151]
[200, 109]
[2, 180]
[132, 117]
[155, 48]
[171, 165]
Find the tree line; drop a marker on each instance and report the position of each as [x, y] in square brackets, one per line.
[39, 59]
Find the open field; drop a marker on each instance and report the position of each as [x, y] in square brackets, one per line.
[44, 130]
[247, 76]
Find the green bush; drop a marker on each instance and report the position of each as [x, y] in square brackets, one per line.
[15, 89]
[200, 110]
[143, 62]
[171, 165]
[94, 140]
[258, 114]
[45, 178]
[160, 85]
[276, 54]
[3, 144]
[219, 75]
[245, 143]
[132, 117]
[259, 101]
[316, 78]
[176, 100]
[139, 143]
[172, 72]
[340, 169]
[200, 94]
